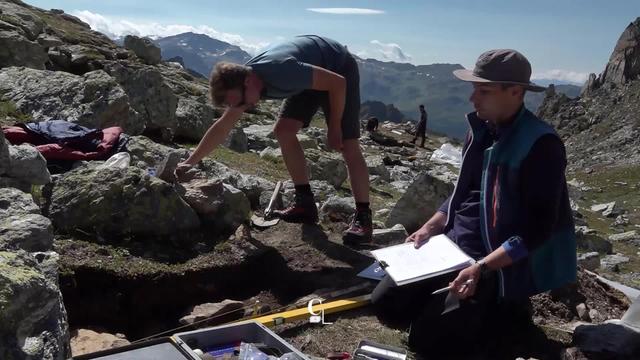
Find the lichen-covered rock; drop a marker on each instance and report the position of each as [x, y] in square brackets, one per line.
[33, 320]
[422, 199]
[143, 48]
[326, 166]
[28, 165]
[117, 202]
[94, 100]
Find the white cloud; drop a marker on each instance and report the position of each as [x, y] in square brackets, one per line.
[347, 11]
[563, 75]
[385, 52]
[114, 28]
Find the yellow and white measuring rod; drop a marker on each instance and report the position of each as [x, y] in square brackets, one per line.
[315, 307]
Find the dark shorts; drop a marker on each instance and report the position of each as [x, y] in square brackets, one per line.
[304, 105]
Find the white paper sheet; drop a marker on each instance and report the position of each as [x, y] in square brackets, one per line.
[406, 264]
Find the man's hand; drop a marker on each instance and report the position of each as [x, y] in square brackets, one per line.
[420, 236]
[334, 138]
[181, 170]
[465, 284]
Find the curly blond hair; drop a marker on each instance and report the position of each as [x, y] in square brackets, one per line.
[224, 77]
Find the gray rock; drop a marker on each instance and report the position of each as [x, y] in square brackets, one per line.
[613, 339]
[376, 166]
[14, 202]
[141, 148]
[210, 310]
[325, 166]
[237, 141]
[395, 235]
[260, 137]
[626, 236]
[608, 209]
[307, 142]
[30, 232]
[93, 100]
[583, 312]
[588, 240]
[144, 48]
[27, 164]
[17, 50]
[48, 41]
[33, 317]
[121, 202]
[194, 117]
[613, 262]
[423, 197]
[272, 154]
[165, 170]
[589, 261]
[337, 209]
[149, 95]
[22, 18]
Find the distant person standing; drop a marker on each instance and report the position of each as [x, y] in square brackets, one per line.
[421, 128]
[372, 124]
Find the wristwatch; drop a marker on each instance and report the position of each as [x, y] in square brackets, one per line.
[484, 268]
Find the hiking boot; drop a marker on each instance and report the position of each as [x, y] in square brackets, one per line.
[360, 230]
[302, 210]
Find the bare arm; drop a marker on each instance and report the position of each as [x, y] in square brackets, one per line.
[216, 134]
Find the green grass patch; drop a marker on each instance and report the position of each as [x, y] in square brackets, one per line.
[619, 184]
[318, 121]
[251, 164]
[10, 115]
[622, 185]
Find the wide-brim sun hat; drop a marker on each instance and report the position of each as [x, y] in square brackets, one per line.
[501, 66]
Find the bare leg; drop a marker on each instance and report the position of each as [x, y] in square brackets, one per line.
[285, 131]
[358, 173]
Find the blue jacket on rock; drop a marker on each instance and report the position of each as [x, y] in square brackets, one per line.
[524, 203]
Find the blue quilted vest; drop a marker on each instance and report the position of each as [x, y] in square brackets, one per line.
[552, 264]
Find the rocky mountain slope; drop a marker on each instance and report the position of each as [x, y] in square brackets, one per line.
[200, 52]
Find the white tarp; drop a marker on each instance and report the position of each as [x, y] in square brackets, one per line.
[448, 154]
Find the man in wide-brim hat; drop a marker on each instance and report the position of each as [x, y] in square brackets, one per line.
[509, 210]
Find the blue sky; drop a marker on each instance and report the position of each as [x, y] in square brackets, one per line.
[563, 39]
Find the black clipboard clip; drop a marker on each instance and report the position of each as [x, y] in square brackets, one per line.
[383, 264]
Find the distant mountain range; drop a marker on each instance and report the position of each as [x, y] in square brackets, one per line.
[200, 52]
[404, 85]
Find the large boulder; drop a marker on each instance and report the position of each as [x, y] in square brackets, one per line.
[376, 166]
[149, 95]
[193, 118]
[421, 200]
[16, 50]
[21, 225]
[260, 137]
[94, 100]
[31, 232]
[33, 320]
[144, 48]
[117, 202]
[19, 30]
[25, 21]
[28, 165]
[237, 141]
[326, 166]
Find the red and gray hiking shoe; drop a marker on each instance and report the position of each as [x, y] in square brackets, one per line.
[360, 230]
[303, 210]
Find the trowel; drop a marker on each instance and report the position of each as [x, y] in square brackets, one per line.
[268, 219]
